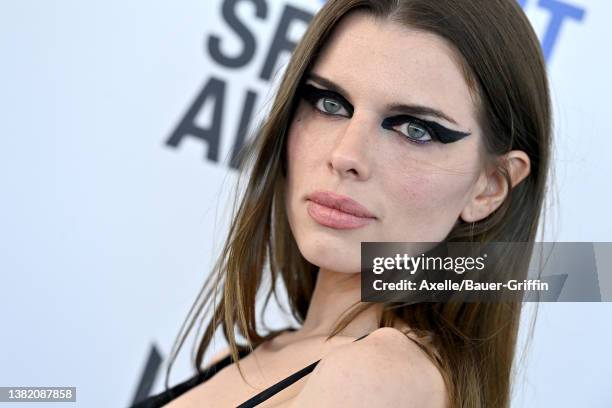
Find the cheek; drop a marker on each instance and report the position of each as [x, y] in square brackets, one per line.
[427, 196]
[298, 150]
[295, 147]
[301, 158]
[307, 144]
[422, 190]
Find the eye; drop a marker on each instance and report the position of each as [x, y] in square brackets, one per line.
[415, 132]
[422, 131]
[326, 101]
[331, 106]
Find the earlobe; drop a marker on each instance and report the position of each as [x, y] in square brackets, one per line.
[491, 189]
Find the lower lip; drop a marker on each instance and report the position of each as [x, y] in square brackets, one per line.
[333, 218]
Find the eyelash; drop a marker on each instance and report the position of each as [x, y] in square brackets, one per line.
[313, 95]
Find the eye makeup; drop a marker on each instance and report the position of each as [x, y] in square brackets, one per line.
[312, 94]
[437, 132]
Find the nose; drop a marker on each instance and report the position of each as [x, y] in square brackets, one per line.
[350, 156]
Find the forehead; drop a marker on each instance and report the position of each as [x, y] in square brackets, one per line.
[384, 62]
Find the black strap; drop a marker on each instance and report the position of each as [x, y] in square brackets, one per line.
[163, 398]
[279, 386]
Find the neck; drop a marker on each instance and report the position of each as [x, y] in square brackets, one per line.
[334, 293]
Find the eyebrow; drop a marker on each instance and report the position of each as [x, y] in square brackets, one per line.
[409, 109]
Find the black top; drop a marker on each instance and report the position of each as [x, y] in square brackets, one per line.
[165, 397]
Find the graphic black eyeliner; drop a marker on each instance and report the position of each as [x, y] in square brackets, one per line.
[313, 94]
[436, 131]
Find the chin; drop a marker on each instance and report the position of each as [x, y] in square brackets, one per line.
[327, 249]
[332, 257]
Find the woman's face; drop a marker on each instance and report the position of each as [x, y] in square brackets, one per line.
[414, 177]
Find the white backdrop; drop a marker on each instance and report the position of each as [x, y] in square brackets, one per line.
[107, 231]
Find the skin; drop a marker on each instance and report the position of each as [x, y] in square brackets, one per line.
[417, 193]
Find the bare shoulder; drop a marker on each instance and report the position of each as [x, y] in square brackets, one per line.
[384, 369]
[218, 356]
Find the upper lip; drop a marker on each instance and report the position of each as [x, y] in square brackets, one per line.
[341, 203]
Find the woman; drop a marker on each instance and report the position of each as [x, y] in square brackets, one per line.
[414, 120]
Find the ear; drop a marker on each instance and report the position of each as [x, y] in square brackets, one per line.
[490, 190]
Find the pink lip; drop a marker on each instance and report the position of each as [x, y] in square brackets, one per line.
[336, 211]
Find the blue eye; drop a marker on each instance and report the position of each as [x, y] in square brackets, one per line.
[422, 131]
[414, 129]
[326, 101]
[331, 106]
[416, 132]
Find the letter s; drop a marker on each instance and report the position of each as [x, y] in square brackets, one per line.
[248, 50]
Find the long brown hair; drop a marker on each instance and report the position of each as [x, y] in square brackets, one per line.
[473, 344]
